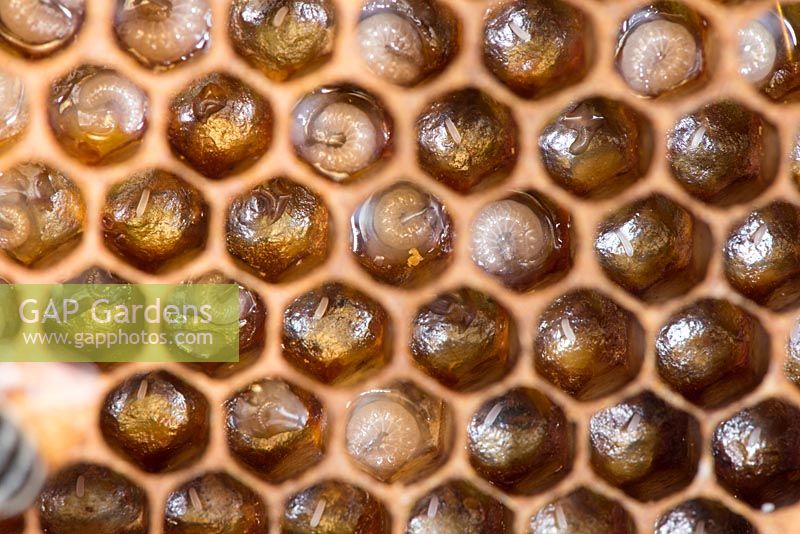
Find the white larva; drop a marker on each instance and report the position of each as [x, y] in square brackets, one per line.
[391, 47]
[757, 52]
[40, 22]
[13, 110]
[341, 140]
[106, 102]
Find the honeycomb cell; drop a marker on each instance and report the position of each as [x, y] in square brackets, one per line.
[596, 147]
[582, 511]
[162, 33]
[214, 502]
[587, 345]
[520, 441]
[406, 41]
[458, 507]
[153, 219]
[702, 515]
[13, 108]
[276, 429]
[42, 213]
[336, 334]
[464, 339]
[37, 28]
[723, 153]
[644, 446]
[712, 352]
[762, 256]
[333, 507]
[536, 47]
[341, 131]
[97, 115]
[755, 454]
[660, 49]
[523, 240]
[653, 247]
[791, 366]
[83, 498]
[283, 38]
[219, 125]
[402, 235]
[398, 433]
[467, 140]
[278, 229]
[156, 420]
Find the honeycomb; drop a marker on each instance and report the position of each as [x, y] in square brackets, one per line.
[596, 487]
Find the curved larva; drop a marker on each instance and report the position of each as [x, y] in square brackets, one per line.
[16, 226]
[271, 409]
[400, 219]
[39, 22]
[658, 56]
[106, 102]
[13, 113]
[391, 47]
[160, 32]
[342, 140]
[507, 237]
[757, 51]
[382, 434]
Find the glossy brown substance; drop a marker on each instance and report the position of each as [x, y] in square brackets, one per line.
[13, 525]
[334, 506]
[582, 512]
[704, 515]
[219, 125]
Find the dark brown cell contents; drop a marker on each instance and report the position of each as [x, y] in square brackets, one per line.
[755, 454]
[596, 147]
[464, 339]
[153, 218]
[536, 47]
[219, 125]
[83, 498]
[333, 507]
[582, 511]
[214, 502]
[336, 334]
[644, 446]
[587, 345]
[712, 352]
[13, 525]
[279, 229]
[723, 152]
[156, 420]
[520, 441]
[702, 515]
[467, 140]
[276, 429]
[458, 507]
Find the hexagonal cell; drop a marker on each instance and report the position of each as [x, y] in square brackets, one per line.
[13, 525]
[596, 147]
[712, 352]
[523, 240]
[702, 515]
[582, 511]
[464, 339]
[92, 498]
[332, 507]
[279, 229]
[283, 38]
[398, 433]
[458, 507]
[520, 441]
[214, 502]
[219, 125]
[791, 367]
[755, 454]
[154, 219]
[723, 153]
[14, 108]
[467, 140]
[162, 34]
[97, 115]
[406, 42]
[402, 235]
[644, 446]
[587, 345]
[336, 334]
[768, 56]
[762, 256]
[156, 420]
[42, 213]
[661, 49]
[654, 248]
[341, 131]
[36, 31]
[276, 429]
[536, 47]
